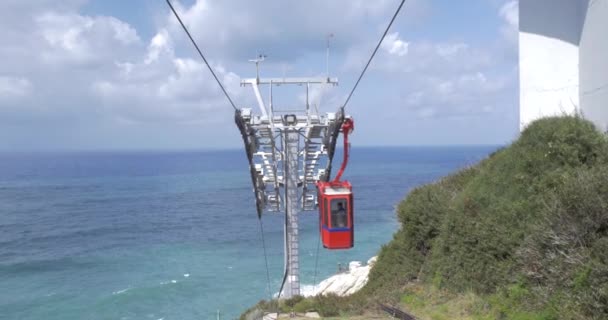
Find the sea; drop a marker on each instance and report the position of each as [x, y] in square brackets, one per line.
[175, 235]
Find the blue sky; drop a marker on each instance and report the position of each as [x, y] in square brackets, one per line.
[112, 74]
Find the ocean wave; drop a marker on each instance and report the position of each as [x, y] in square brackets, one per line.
[121, 291]
[147, 288]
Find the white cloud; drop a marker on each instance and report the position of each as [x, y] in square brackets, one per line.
[97, 68]
[451, 50]
[241, 29]
[446, 88]
[464, 95]
[443, 80]
[164, 87]
[394, 45]
[426, 112]
[11, 87]
[324, 97]
[420, 57]
[509, 12]
[158, 44]
[67, 68]
[73, 38]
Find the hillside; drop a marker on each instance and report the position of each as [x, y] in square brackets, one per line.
[521, 235]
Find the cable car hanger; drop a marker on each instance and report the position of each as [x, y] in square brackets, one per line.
[335, 198]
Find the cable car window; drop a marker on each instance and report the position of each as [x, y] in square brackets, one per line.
[339, 213]
[325, 222]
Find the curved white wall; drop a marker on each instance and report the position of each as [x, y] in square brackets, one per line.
[548, 57]
[594, 64]
[548, 77]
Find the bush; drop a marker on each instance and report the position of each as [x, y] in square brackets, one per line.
[534, 215]
[291, 302]
[305, 305]
[402, 260]
[329, 305]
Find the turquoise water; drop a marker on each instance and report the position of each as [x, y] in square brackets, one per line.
[153, 235]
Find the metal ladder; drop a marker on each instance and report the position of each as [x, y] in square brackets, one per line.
[271, 170]
[313, 150]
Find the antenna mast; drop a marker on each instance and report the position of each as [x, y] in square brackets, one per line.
[257, 61]
[331, 35]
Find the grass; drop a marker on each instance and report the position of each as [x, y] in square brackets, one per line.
[427, 302]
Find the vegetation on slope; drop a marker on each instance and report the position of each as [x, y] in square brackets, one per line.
[524, 232]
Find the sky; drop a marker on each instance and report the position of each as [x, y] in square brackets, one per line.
[121, 75]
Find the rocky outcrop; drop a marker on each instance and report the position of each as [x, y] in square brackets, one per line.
[345, 283]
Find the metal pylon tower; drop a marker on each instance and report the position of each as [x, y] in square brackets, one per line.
[288, 152]
[285, 174]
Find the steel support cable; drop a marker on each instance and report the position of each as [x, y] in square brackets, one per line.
[265, 259]
[373, 54]
[268, 271]
[314, 278]
[201, 54]
[284, 274]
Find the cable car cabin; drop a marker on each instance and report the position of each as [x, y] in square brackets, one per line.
[336, 214]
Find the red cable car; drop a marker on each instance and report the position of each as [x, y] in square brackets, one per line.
[336, 219]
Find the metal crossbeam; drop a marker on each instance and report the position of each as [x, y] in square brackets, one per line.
[298, 81]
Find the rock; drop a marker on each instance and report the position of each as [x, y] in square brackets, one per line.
[313, 315]
[346, 283]
[354, 264]
[372, 261]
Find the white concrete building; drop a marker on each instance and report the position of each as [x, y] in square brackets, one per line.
[563, 59]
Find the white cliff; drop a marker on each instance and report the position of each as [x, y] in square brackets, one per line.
[345, 283]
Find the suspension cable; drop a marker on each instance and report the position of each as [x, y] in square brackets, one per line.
[278, 310]
[201, 54]
[314, 278]
[373, 54]
[265, 259]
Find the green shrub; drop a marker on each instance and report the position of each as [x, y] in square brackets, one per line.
[329, 305]
[305, 305]
[291, 302]
[421, 213]
[527, 217]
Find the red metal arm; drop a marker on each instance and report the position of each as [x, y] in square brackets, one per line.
[347, 127]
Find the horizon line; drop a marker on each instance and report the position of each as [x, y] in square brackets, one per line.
[219, 149]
